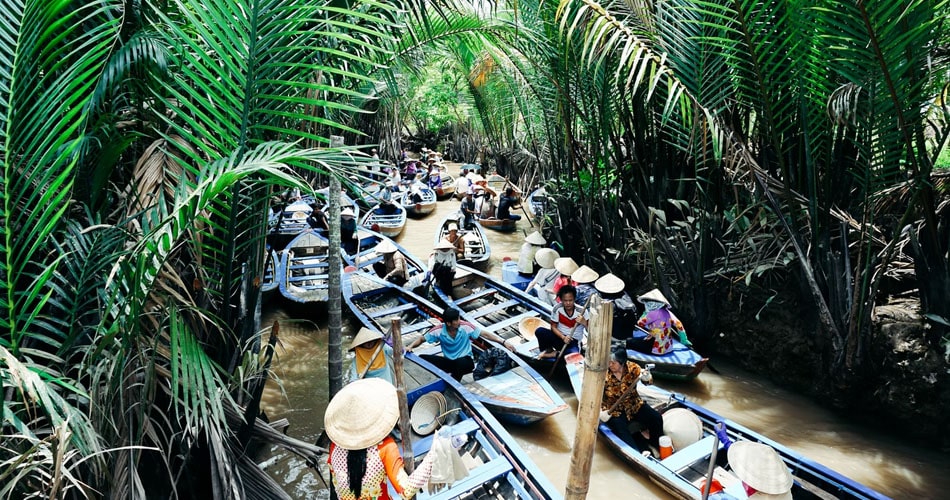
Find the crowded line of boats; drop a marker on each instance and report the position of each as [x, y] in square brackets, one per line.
[706, 449]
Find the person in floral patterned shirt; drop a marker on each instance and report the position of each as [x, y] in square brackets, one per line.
[621, 375]
[659, 323]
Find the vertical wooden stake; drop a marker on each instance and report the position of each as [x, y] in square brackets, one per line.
[592, 392]
[404, 429]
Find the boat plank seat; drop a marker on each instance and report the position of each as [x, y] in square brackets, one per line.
[467, 426]
[308, 277]
[475, 296]
[392, 310]
[479, 475]
[687, 456]
[495, 308]
[309, 265]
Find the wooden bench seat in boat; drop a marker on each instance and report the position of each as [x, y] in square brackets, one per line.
[475, 296]
[478, 313]
[392, 310]
[699, 450]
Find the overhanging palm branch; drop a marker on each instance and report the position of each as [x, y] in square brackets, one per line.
[51, 54]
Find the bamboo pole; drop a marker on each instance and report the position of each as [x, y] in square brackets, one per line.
[592, 391]
[404, 429]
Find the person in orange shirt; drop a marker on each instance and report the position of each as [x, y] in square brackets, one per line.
[362, 453]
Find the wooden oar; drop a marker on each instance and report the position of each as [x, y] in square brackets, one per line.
[630, 389]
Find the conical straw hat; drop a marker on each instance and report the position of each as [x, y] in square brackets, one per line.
[362, 413]
[565, 265]
[682, 426]
[443, 244]
[609, 283]
[761, 467]
[653, 296]
[386, 246]
[347, 212]
[584, 274]
[546, 257]
[363, 336]
[535, 238]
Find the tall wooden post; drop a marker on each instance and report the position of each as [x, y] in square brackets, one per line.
[334, 306]
[404, 428]
[592, 391]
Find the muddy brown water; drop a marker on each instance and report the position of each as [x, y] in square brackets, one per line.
[299, 390]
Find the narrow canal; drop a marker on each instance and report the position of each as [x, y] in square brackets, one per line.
[887, 464]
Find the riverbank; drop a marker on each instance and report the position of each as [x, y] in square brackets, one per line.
[905, 393]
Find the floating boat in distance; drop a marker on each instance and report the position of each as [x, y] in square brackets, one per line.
[497, 465]
[477, 247]
[682, 473]
[499, 183]
[519, 395]
[538, 203]
[448, 186]
[388, 219]
[419, 200]
[502, 225]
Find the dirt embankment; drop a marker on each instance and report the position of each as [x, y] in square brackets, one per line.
[904, 387]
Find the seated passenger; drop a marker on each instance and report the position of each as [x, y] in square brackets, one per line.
[456, 340]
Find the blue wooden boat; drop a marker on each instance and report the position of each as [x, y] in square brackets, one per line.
[291, 219]
[272, 272]
[682, 473]
[366, 255]
[679, 363]
[305, 268]
[538, 203]
[497, 465]
[425, 202]
[477, 247]
[388, 220]
[519, 395]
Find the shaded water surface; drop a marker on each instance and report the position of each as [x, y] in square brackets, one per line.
[890, 466]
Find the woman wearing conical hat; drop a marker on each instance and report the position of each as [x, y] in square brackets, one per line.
[442, 264]
[532, 244]
[545, 276]
[372, 356]
[660, 323]
[362, 454]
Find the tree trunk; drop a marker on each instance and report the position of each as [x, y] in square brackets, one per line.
[334, 310]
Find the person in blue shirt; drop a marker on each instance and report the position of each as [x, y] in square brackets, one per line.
[456, 340]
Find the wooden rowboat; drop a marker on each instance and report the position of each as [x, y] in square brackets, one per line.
[497, 465]
[272, 272]
[682, 473]
[389, 219]
[538, 202]
[366, 256]
[305, 268]
[425, 202]
[519, 395]
[448, 186]
[477, 248]
[502, 225]
[679, 363]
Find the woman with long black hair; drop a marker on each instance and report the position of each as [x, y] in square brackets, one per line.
[362, 454]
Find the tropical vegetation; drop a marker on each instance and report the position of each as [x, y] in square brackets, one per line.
[765, 148]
